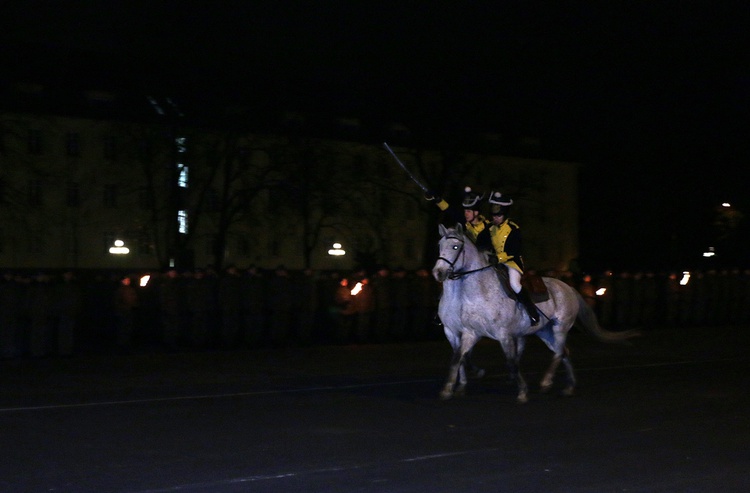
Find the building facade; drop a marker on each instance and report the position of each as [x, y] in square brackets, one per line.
[100, 193]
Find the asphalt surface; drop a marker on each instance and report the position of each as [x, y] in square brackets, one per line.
[666, 414]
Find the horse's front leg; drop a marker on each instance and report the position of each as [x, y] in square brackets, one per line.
[513, 349]
[456, 367]
[471, 367]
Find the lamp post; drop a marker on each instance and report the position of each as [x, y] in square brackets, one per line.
[336, 250]
[119, 248]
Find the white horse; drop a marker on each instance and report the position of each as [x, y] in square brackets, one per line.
[474, 304]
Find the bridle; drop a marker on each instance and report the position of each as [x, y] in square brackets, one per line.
[452, 263]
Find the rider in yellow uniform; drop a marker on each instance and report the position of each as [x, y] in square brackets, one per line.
[476, 225]
[506, 243]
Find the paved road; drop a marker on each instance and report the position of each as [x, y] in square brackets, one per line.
[668, 414]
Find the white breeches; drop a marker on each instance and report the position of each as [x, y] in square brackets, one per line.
[515, 280]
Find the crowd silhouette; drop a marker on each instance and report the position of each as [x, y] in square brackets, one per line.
[45, 314]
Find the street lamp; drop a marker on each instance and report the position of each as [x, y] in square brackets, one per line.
[337, 250]
[119, 248]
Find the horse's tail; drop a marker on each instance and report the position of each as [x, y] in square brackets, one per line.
[588, 321]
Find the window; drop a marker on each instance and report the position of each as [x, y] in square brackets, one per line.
[182, 220]
[410, 208]
[386, 205]
[36, 246]
[34, 141]
[35, 193]
[243, 246]
[145, 199]
[110, 196]
[409, 250]
[182, 179]
[73, 144]
[212, 200]
[143, 244]
[73, 197]
[274, 248]
[110, 148]
[145, 151]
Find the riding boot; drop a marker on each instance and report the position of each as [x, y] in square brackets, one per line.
[523, 297]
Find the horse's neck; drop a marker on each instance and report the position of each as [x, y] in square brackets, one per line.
[477, 278]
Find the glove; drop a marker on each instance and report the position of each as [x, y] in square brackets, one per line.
[503, 257]
[432, 196]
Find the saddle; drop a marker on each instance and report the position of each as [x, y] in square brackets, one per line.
[532, 283]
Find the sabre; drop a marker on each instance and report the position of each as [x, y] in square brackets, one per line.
[421, 185]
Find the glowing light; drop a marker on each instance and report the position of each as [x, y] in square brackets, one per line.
[726, 204]
[356, 289]
[119, 248]
[710, 252]
[182, 219]
[143, 282]
[685, 278]
[182, 180]
[336, 251]
[601, 291]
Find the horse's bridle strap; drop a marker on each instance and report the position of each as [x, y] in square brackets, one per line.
[453, 262]
[457, 275]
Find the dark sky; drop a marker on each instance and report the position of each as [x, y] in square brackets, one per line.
[652, 97]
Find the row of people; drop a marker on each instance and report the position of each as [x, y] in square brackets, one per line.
[56, 315]
[644, 299]
[44, 315]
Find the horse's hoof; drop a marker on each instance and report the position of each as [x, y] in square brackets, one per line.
[545, 387]
[568, 392]
[479, 373]
[522, 399]
[445, 395]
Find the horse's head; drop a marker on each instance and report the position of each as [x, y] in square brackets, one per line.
[450, 252]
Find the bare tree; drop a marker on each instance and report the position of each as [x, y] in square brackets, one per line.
[317, 189]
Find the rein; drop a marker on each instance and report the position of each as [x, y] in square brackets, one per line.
[457, 275]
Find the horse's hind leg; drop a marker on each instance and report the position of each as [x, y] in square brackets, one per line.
[571, 377]
[456, 369]
[546, 383]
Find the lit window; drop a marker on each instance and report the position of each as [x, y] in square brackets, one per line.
[181, 143]
[182, 220]
[182, 181]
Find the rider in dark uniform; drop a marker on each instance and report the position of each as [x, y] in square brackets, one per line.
[476, 225]
[506, 243]
[500, 236]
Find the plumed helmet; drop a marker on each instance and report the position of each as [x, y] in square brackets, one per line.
[472, 200]
[499, 204]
